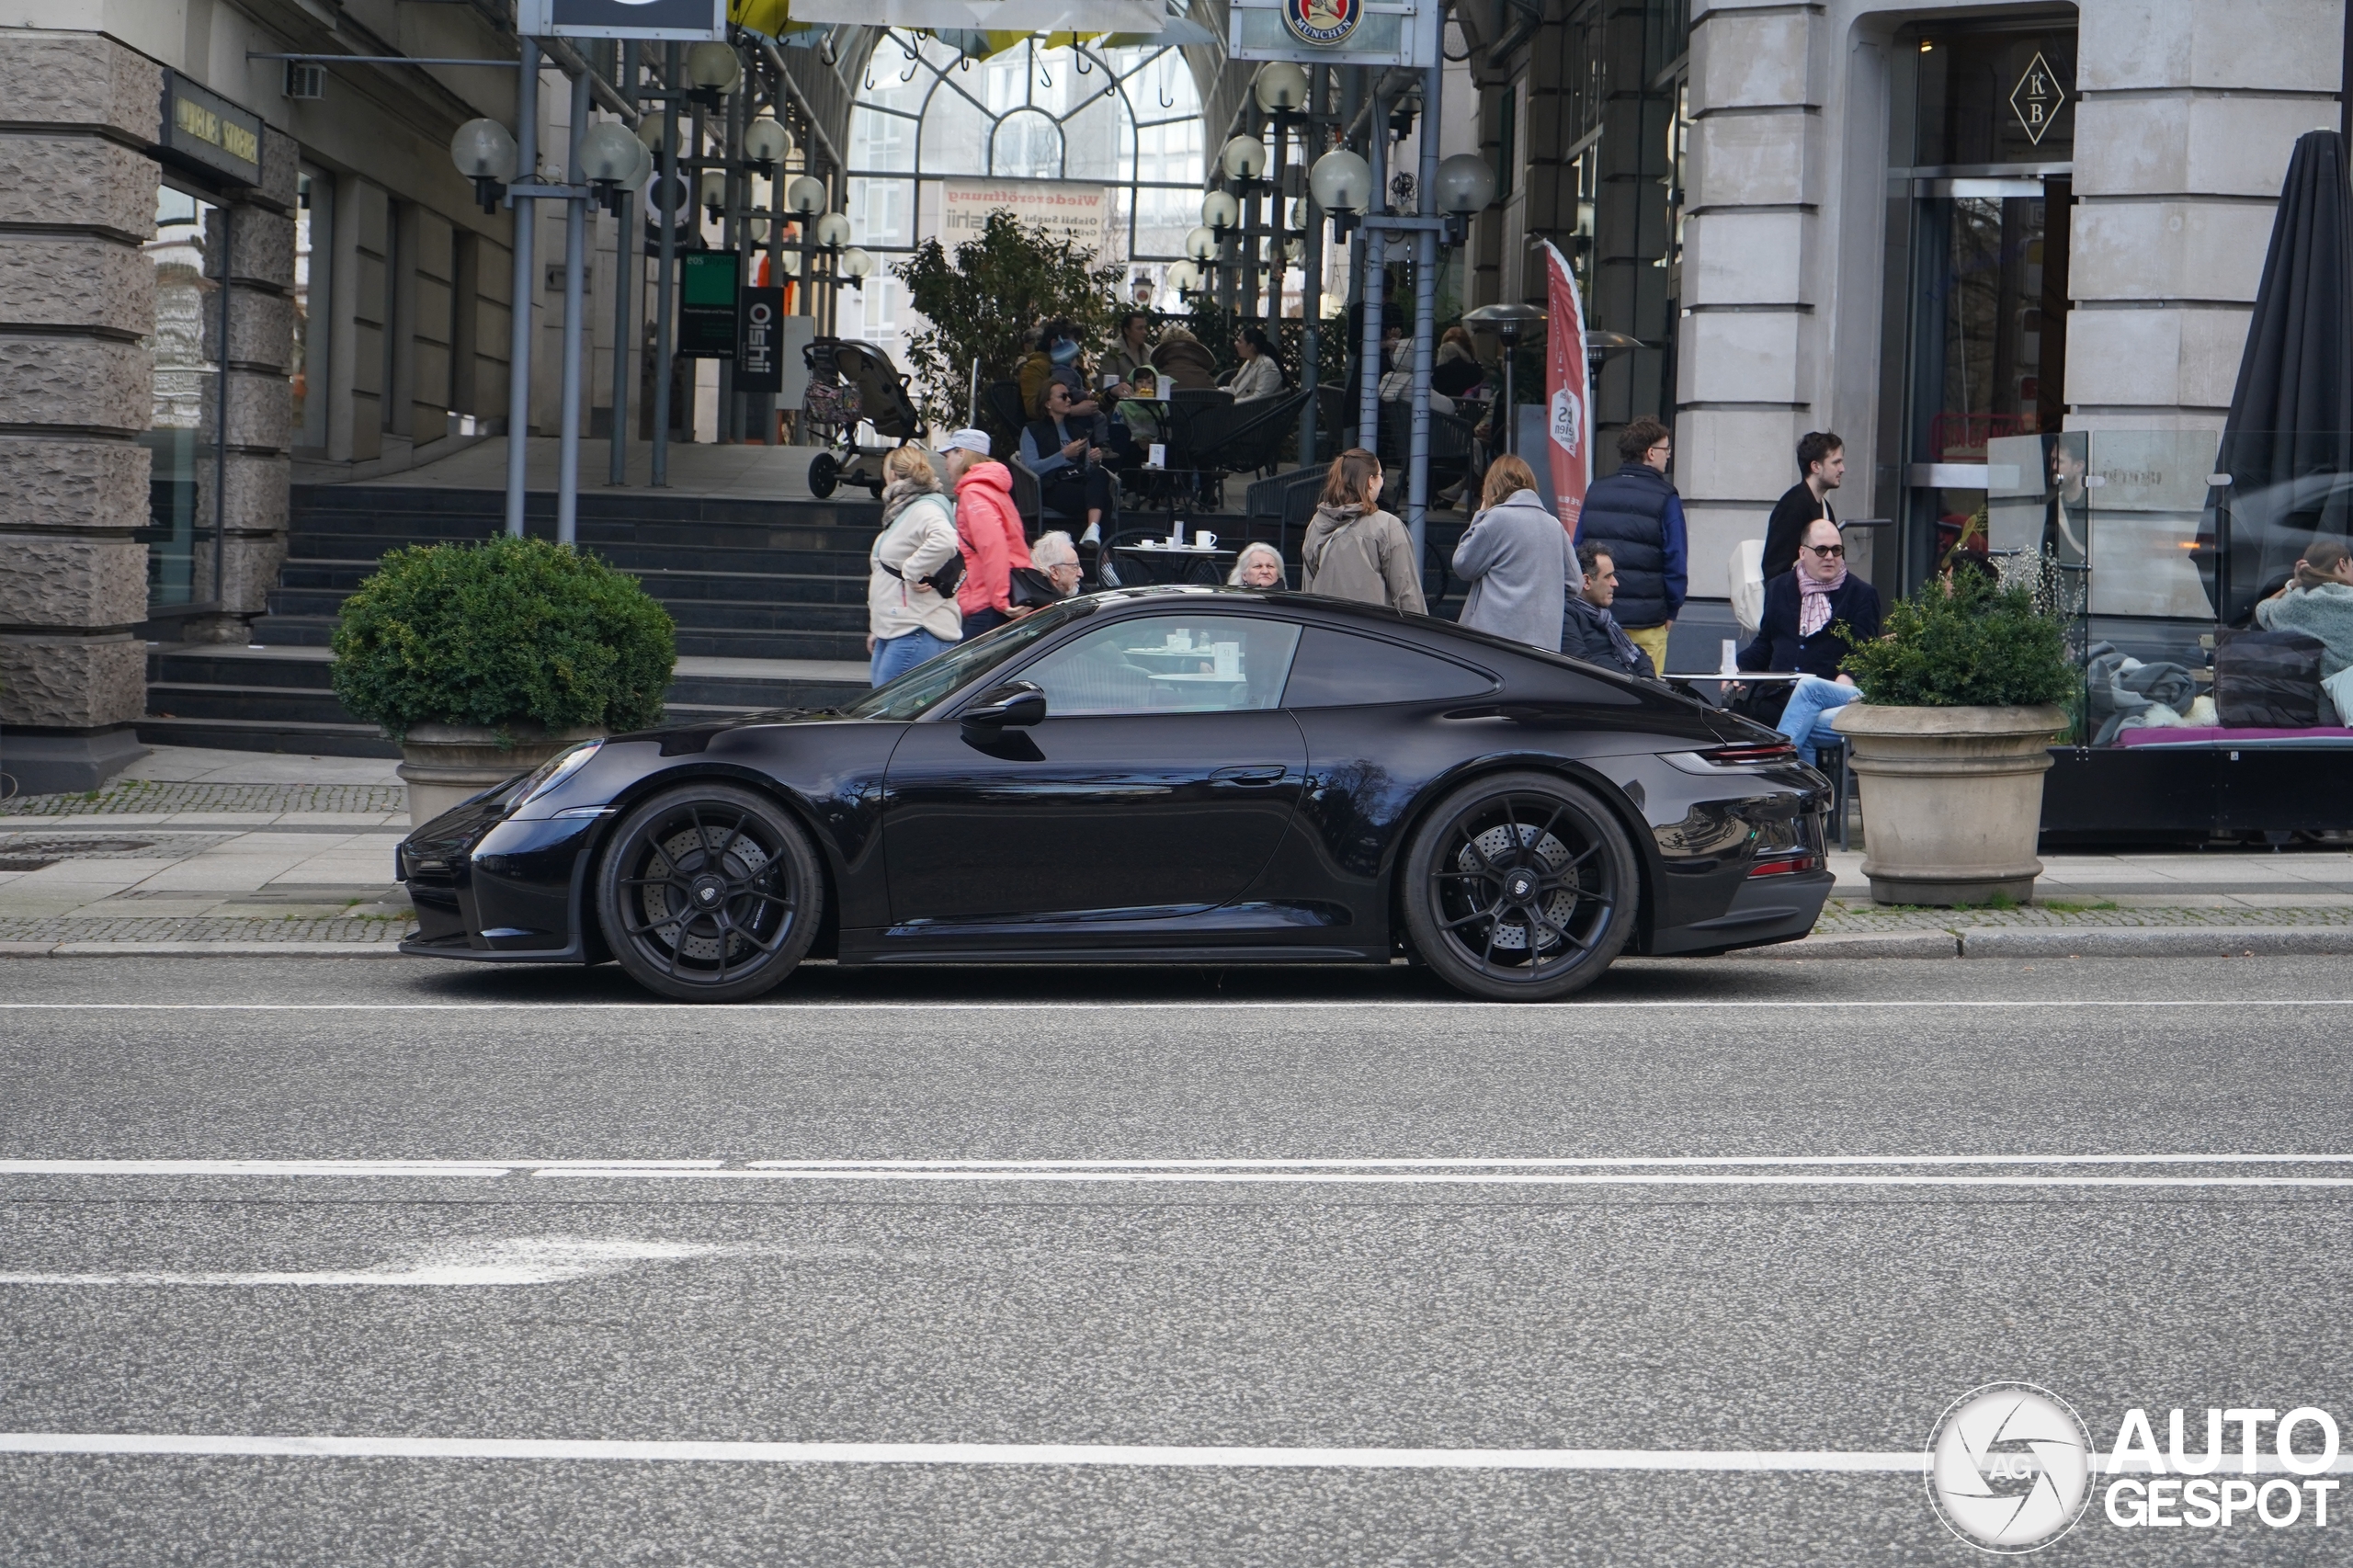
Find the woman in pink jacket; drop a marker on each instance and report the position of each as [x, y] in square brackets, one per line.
[988, 530]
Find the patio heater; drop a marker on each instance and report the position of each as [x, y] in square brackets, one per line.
[1508, 323]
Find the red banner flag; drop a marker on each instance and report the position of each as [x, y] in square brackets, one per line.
[1568, 426]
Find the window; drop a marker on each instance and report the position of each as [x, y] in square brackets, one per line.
[1170, 664]
[1337, 669]
[314, 265]
[184, 435]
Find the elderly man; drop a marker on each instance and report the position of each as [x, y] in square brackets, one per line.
[1057, 557]
[1814, 616]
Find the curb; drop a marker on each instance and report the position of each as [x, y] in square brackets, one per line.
[1860, 945]
[201, 949]
[2156, 942]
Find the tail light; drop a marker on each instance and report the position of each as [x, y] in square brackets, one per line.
[1751, 755]
[1785, 865]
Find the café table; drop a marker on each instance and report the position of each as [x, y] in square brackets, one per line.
[1163, 563]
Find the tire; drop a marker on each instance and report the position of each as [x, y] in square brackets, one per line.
[1519, 887]
[824, 473]
[710, 893]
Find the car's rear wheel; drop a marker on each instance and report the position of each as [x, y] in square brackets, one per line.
[710, 893]
[1520, 887]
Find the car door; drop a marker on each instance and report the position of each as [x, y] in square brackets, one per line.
[1158, 784]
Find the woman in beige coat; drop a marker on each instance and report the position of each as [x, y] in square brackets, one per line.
[1353, 549]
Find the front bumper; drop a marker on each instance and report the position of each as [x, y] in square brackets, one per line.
[494, 890]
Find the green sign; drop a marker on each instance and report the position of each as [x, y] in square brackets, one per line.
[707, 284]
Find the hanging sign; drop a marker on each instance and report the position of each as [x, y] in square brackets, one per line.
[680, 19]
[2037, 99]
[759, 342]
[707, 281]
[1326, 32]
[1070, 210]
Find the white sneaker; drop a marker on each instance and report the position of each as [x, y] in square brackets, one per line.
[1094, 534]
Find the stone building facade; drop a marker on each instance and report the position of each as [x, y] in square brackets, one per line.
[1779, 198]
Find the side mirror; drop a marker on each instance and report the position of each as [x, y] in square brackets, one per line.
[1014, 704]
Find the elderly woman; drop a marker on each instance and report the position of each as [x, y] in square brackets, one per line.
[907, 619]
[1259, 565]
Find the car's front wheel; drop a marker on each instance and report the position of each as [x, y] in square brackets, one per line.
[1519, 887]
[710, 893]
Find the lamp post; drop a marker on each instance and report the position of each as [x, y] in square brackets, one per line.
[806, 198]
[1220, 214]
[671, 201]
[610, 159]
[833, 236]
[1341, 182]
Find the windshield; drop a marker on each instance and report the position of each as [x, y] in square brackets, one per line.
[924, 687]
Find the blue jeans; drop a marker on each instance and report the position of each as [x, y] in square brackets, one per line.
[1812, 699]
[894, 657]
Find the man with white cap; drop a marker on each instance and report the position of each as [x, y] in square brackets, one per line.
[988, 531]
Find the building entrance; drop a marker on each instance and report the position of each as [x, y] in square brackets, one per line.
[1984, 133]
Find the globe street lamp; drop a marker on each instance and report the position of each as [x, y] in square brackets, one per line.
[1466, 184]
[1245, 158]
[1281, 87]
[485, 152]
[1342, 184]
[713, 72]
[767, 143]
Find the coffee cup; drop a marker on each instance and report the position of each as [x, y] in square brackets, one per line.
[1204, 540]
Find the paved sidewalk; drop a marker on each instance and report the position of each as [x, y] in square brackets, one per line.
[208, 851]
[221, 851]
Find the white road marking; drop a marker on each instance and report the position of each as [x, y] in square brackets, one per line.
[1135, 1456]
[1142, 1455]
[1735, 1171]
[769, 1010]
[522, 1261]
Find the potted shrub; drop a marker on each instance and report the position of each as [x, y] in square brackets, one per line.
[485, 660]
[1950, 741]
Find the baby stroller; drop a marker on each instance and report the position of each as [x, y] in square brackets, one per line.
[849, 383]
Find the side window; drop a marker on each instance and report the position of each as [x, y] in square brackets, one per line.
[1168, 664]
[1338, 669]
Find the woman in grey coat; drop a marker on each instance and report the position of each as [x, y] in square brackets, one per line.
[1516, 557]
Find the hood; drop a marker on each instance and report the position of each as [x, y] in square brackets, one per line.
[988, 475]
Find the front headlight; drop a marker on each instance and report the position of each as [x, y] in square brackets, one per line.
[554, 772]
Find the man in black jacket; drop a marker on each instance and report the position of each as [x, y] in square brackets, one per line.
[1589, 632]
[1822, 463]
[1636, 516]
[1814, 617]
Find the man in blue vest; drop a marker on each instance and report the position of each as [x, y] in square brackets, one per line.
[1636, 518]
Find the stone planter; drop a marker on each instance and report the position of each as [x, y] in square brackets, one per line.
[445, 764]
[1951, 797]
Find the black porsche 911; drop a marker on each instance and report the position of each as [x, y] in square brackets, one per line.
[1168, 775]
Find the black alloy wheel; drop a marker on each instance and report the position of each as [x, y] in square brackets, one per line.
[1519, 887]
[710, 893]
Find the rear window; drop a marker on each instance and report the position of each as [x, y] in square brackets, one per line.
[1339, 669]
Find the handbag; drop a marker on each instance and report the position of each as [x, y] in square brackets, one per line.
[1028, 588]
[942, 580]
[2267, 680]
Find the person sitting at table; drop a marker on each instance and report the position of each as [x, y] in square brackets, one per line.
[1588, 631]
[1057, 349]
[1259, 565]
[1260, 374]
[1137, 410]
[1129, 353]
[1397, 386]
[1183, 361]
[1457, 368]
[1814, 616]
[2318, 601]
[1071, 475]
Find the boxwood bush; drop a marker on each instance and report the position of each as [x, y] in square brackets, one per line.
[1966, 643]
[508, 633]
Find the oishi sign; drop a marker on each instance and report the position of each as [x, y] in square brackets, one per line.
[760, 341]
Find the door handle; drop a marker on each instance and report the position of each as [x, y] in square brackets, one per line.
[1271, 773]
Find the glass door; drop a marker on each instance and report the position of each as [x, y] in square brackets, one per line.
[184, 435]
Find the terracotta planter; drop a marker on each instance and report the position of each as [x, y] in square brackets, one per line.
[445, 764]
[1951, 798]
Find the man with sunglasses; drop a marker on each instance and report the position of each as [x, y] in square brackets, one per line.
[1815, 615]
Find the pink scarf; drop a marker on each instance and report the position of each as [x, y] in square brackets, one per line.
[1813, 599]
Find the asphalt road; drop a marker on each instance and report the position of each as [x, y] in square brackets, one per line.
[1756, 1210]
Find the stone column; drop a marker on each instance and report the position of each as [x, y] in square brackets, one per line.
[77, 197]
[256, 266]
[1744, 359]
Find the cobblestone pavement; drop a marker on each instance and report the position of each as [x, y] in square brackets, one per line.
[1842, 918]
[143, 797]
[363, 929]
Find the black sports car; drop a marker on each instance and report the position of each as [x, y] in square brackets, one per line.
[1200, 776]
